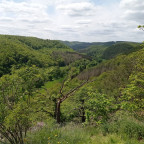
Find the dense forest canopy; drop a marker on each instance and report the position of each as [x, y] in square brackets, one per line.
[20, 51]
[70, 92]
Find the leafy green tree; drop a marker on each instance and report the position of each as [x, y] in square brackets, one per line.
[83, 97]
[32, 78]
[16, 90]
[14, 110]
[133, 95]
[99, 107]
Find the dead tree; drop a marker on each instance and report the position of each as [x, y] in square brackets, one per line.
[64, 97]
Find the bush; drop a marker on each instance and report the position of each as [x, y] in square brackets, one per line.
[125, 126]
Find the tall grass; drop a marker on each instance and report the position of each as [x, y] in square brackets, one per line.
[120, 130]
[56, 134]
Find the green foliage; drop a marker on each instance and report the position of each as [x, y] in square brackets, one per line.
[19, 116]
[98, 107]
[16, 91]
[114, 74]
[72, 133]
[103, 50]
[141, 27]
[94, 51]
[36, 74]
[133, 94]
[120, 48]
[33, 76]
[57, 135]
[20, 51]
[125, 125]
[78, 46]
[36, 43]
[56, 73]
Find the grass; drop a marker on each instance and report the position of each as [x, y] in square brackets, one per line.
[50, 84]
[77, 134]
[72, 133]
[126, 126]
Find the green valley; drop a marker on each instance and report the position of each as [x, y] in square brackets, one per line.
[60, 92]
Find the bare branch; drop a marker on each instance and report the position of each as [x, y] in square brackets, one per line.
[62, 87]
[73, 90]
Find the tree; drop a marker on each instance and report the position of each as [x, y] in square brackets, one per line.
[16, 91]
[141, 27]
[81, 97]
[63, 97]
[14, 111]
[98, 107]
[133, 95]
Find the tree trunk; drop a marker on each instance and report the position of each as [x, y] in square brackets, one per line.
[83, 118]
[55, 105]
[58, 111]
[83, 115]
[64, 97]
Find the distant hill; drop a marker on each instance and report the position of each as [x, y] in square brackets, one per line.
[104, 50]
[84, 45]
[120, 48]
[77, 45]
[20, 51]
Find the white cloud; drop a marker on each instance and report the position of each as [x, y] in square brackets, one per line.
[134, 10]
[87, 21]
[81, 20]
[132, 4]
[77, 9]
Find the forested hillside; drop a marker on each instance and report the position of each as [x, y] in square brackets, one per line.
[19, 51]
[84, 45]
[104, 50]
[51, 94]
[120, 48]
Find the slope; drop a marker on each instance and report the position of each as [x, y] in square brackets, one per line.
[120, 48]
[20, 51]
[104, 50]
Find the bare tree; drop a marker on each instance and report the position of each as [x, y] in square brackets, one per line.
[63, 97]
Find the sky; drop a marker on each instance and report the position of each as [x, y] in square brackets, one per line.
[74, 20]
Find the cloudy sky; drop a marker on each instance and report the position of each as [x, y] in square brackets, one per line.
[73, 20]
